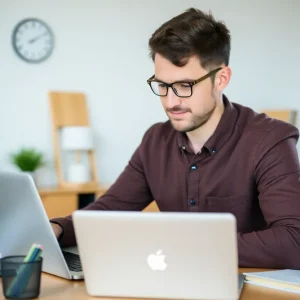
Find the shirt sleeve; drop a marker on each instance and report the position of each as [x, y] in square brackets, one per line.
[277, 175]
[130, 192]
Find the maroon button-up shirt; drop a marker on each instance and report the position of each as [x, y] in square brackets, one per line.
[248, 167]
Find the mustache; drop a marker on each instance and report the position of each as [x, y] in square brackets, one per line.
[178, 109]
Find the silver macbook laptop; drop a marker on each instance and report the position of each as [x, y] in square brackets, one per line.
[23, 221]
[158, 255]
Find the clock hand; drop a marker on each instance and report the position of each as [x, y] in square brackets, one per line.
[36, 38]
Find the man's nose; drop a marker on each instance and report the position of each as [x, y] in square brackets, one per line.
[172, 99]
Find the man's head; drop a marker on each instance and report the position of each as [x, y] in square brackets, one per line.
[184, 49]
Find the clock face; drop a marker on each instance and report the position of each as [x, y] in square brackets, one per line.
[33, 40]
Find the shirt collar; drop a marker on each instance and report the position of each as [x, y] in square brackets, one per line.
[222, 132]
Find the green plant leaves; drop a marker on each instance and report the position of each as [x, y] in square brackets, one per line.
[27, 159]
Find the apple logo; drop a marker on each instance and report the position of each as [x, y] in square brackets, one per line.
[156, 261]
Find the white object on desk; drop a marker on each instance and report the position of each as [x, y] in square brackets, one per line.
[285, 280]
[77, 139]
[158, 255]
[78, 173]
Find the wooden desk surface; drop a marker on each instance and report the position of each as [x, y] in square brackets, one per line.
[56, 288]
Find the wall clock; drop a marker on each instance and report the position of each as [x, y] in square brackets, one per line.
[33, 40]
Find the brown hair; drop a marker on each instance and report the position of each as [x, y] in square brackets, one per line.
[192, 33]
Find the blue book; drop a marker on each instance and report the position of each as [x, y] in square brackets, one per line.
[287, 280]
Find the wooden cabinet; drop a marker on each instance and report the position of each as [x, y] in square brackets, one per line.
[152, 207]
[60, 205]
[60, 202]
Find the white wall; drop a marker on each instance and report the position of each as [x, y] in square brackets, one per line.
[102, 50]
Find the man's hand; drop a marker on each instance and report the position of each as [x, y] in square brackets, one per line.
[57, 229]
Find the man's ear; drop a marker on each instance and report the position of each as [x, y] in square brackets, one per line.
[223, 78]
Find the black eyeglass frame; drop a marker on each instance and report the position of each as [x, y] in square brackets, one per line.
[192, 83]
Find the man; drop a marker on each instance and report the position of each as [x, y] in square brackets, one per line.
[212, 155]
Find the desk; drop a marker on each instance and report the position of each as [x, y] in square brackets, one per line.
[56, 288]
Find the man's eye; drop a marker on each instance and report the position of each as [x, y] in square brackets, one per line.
[184, 85]
[161, 85]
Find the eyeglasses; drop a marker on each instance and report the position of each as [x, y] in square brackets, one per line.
[180, 88]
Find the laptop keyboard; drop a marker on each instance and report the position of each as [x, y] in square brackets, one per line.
[73, 261]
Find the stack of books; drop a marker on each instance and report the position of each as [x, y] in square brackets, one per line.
[287, 280]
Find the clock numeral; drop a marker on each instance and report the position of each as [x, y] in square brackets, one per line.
[24, 53]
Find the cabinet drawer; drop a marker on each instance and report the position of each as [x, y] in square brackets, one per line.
[60, 205]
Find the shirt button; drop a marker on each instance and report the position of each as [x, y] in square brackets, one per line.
[193, 167]
[213, 150]
[192, 202]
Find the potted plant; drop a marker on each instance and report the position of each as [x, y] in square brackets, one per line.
[28, 160]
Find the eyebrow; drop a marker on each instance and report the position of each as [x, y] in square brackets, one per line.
[181, 80]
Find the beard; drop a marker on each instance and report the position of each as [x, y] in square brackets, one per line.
[196, 121]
